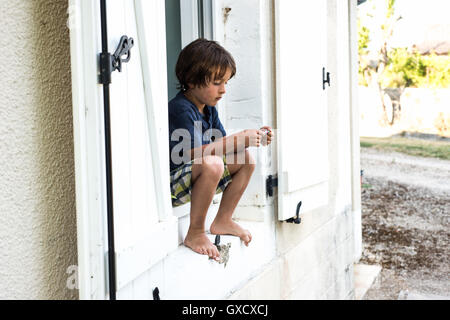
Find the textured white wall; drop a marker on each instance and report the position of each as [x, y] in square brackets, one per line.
[249, 100]
[37, 191]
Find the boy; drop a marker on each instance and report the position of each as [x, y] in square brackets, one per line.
[206, 161]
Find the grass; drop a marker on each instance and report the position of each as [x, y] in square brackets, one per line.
[415, 147]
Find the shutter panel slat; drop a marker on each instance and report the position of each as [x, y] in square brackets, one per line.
[301, 105]
[145, 230]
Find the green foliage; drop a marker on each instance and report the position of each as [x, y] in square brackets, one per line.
[363, 44]
[363, 38]
[411, 69]
[390, 8]
[437, 71]
[400, 68]
[403, 69]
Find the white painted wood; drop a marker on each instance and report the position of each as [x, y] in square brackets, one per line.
[154, 245]
[85, 43]
[145, 230]
[354, 129]
[150, 30]
[126, 293]
[142, 287]
[301, 105]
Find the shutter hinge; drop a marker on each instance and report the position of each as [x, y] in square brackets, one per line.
[110, 63]
[271, 182]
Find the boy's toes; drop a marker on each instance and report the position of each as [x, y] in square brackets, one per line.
[247, 238]
[215, 253]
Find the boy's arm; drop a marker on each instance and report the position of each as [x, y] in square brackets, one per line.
[229, 144]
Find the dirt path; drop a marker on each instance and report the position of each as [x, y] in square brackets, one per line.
[406, 223]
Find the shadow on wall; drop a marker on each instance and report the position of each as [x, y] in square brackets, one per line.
[53, 143]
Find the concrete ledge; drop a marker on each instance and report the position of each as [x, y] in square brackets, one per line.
[188, 275]
[264, 286]
[364, 276]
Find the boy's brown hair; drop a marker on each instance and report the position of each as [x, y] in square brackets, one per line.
[201, 62]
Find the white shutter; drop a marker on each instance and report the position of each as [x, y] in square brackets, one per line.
[145, 230]
[301, 105]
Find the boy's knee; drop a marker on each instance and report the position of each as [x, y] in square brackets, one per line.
[250, 161]
[213, 166]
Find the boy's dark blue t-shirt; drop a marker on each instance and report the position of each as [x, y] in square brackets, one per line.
[196, 129]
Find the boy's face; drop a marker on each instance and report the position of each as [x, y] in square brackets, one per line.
[212, 93]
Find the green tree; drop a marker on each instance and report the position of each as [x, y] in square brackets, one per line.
[363, 44]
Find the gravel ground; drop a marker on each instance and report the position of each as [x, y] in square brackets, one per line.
[406, 223]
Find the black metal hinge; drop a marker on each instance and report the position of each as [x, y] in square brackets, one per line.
[112, 62]
[271, 182]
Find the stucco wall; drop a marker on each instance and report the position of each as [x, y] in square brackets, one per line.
[37, 190]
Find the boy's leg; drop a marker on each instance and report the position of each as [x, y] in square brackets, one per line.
[241, 174]
[205, 177]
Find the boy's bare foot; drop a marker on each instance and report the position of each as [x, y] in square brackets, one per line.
[231, 227]
[199, 242]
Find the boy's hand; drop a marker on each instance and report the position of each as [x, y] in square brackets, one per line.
[267, 136]
[253, 137]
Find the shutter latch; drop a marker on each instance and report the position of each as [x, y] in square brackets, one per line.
[271, 182]
[110, 63]
[296, 219]
[325, 78]
[156, 294]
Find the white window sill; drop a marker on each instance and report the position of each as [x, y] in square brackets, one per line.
[188, 275]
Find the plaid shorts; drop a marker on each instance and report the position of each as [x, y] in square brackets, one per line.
[181, 186]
